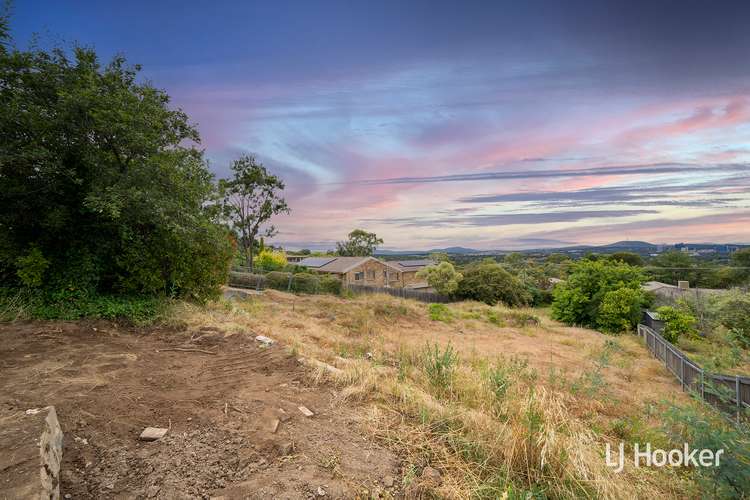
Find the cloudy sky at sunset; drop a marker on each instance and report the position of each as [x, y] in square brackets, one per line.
[481, 124]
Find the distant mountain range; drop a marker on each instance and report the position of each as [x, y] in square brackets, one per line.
[619, 246]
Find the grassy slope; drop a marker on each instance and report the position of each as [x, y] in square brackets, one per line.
[525, 408]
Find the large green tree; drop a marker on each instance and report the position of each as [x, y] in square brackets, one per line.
[101, 186]
[249, 199]
[488, 282]
[360, 243]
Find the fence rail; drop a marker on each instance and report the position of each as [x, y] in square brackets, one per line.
[405, 293]
[715, 388]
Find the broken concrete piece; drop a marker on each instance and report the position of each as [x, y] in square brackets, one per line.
[275, 425]
[388, 481]
[33, 411]
[153, 433]
[285, 448]
[265, 340]
[50, 451]
[306, 411]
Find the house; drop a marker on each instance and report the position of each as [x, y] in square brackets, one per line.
[368, 271]
[409, 269]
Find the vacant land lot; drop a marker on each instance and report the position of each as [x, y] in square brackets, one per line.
[410, 400]
[108, 383]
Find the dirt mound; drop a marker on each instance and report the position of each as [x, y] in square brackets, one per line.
[231, 404]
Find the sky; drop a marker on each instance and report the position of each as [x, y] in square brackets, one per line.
[490, 125]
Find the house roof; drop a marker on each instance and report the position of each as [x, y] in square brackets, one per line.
[338, 265]
[652, 286]
[411, 265]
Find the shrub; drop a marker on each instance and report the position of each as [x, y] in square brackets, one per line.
[442, 277]
[733, 312]
[305, 283]
[676, 323]
[579, 299]
[620, 310]
[278, 280]
[488, 282]
[440, 312]
[31, 268]
[330, 284]
[705, 428]
[271, 260]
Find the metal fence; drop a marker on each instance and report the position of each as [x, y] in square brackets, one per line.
[405, 293]
[730, 392]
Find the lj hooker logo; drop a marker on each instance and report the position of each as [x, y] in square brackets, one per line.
[645, 456]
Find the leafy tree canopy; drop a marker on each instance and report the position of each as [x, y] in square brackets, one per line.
[442, 277]
[101, 187]
[630, 258]
[592, 295]
[360, 244]
[488, 282]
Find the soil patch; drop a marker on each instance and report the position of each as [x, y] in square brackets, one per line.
[221, 396]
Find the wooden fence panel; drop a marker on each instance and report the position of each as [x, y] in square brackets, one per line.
[729, 392]
[400, 292]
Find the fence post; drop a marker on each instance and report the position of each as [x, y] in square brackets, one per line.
[289, 286]
[738, 394]
[682, 372]
[703, 384]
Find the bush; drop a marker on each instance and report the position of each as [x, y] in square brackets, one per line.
[440, 312]
[442, 277]
[579, 299]
[278, 280]
[676, 323]
[620, 310]
[270, 260]
[733, 312]
[330, 284]
[76, 304]
[31, 268]
[488, 282]
[305, 283]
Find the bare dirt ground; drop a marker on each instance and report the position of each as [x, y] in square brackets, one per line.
[108, 383]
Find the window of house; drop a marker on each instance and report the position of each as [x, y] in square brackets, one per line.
[371, 274]
[359, 276]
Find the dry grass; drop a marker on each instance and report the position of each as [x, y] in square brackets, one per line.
[526, 407]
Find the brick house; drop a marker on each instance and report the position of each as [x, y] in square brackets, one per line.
[368, 271]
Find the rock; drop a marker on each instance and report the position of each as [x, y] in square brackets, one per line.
[275, 425]
[153, 491]
[306, 412]
[431, 476]
[50, 450]
[153, 433]
[285, 448]
[321, 491]
[388, 481]
[265, 340]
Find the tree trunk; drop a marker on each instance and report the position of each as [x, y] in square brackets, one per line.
[250, 255]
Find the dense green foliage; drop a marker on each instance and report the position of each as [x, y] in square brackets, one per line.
[677, 323]
[360, 243]
[100, 189]
[705, 428]
[442, 277]
[67, 305]
[732, 311]
[593, 295]
[489, 282]
[270, 260]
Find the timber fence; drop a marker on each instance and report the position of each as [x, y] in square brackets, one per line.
[405, 293]
[729, 392]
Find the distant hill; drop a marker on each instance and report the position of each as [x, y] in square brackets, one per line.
[450, 250]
